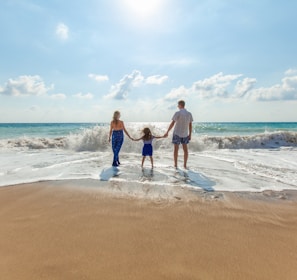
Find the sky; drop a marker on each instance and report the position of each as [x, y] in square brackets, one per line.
[80, 60]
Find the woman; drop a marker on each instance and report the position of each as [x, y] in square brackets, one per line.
[116, 134]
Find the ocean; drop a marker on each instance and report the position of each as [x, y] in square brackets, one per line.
[249, 157]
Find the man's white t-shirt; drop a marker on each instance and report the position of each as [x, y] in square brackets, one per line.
[182, 120]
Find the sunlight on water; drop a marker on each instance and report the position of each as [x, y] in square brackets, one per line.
[226, 162]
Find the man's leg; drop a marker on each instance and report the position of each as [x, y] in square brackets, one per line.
[175, 155]
[186, 154]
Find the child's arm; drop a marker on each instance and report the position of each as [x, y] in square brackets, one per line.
[158, 137]
[137, 139]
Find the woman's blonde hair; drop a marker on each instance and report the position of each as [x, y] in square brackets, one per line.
[116, 115]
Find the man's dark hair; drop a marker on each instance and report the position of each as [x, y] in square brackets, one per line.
[182, 103]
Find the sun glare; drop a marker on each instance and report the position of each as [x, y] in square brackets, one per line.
[143, 9]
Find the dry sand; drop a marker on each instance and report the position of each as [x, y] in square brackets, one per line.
[54, 231]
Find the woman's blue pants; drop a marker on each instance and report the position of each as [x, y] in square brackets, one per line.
[117, 141]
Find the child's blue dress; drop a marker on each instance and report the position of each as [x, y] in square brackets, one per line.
[147, 149]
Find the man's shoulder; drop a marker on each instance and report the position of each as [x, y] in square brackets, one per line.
[176, 113]
[185, 111]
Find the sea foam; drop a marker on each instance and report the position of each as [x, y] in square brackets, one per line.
[96, 139]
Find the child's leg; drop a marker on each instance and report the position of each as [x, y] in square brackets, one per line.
[152, 161]
[143, 158]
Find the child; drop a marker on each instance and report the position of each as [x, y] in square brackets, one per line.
[147, 149]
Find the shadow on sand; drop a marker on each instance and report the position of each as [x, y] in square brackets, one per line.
[108, 173]
[196, 179]
[179, 176]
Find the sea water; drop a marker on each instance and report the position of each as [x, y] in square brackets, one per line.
[249, 157]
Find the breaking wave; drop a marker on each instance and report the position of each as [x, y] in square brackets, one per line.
[96, 139]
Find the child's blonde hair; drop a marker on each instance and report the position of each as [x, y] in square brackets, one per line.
[147, 134]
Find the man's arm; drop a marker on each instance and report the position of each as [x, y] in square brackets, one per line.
[169, 128]
[190, 130]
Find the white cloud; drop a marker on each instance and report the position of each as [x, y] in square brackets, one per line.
[287, 90]
[58, 96]
[62, 31]
[84, 96]
[231, 87]
[177, 93]
[218, 86]
[98, 78]
[156, 79]
[290, 72]
[125, 85]
[244, 86]
[121, 89]
[214, 86]
[25, 86]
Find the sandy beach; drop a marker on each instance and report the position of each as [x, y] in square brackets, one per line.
[52, 230]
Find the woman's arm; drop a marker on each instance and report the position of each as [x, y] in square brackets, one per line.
[124, 128]
[110, 132]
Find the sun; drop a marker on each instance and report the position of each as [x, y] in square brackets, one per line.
[143, 9]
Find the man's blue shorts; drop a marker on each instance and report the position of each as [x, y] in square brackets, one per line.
[180, 140]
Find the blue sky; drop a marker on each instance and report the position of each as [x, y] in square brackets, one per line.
[79, 61]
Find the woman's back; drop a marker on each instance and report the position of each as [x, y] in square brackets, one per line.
[117, 125]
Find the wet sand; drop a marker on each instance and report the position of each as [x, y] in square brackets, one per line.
[59, 231]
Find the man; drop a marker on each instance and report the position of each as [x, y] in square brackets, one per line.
[182, 131]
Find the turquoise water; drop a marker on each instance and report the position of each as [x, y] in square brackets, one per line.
[223, 156]
[16, 130]
[246, 128]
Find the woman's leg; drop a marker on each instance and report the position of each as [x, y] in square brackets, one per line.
[117, 142]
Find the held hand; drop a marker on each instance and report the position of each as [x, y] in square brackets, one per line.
[165, 135]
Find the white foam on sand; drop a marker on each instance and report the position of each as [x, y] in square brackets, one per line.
[231, 163]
